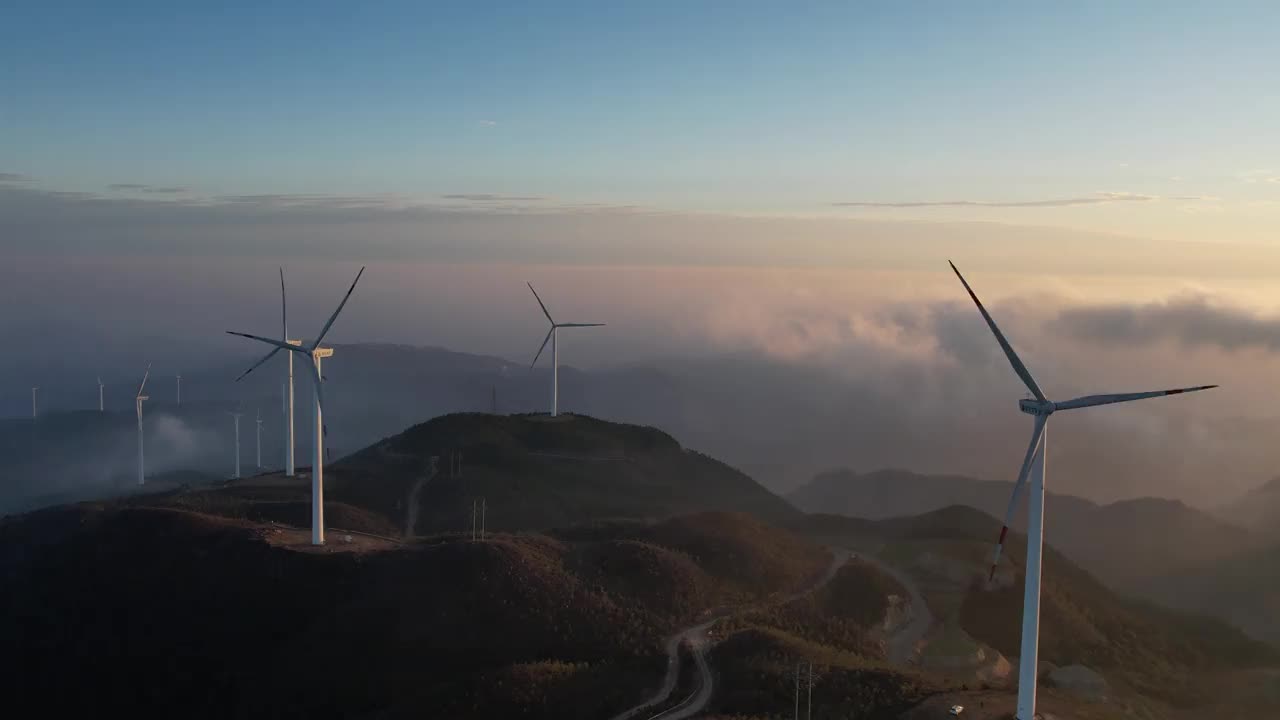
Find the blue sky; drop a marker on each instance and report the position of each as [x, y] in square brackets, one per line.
[735, 107]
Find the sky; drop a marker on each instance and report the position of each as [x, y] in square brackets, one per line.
[1148, 119]
[712, 179]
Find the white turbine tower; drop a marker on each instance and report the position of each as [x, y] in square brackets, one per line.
[259, 440]
[314, 354]
[33, 402]
[236, 417]
[1040, 408]
[99, 394]
[287, 390]
[137, 403]
[179, 377]
[553, 337]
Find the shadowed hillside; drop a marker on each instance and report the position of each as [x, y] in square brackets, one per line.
[537, 472]
[156, 611]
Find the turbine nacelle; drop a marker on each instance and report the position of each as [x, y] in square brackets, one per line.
[1038, 408]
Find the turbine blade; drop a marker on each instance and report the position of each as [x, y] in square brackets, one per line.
[580, 325]
[256, 365]
[1091, 400]
[1017, 489]
[278, 343]
[1014, 360]
[540, 303]
[145, 375]
[334, 316]
[544, 347]
[284, 310]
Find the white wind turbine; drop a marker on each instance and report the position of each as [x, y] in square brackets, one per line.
[137, 403]
[1040, 408]
[236, 417]
[315, 354]
[99, 394]
[33, 402]
[179, 377]
[259, 440]
[286, 392]
[552, 337]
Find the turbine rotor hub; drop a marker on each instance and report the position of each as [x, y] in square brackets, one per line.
[1036, 407]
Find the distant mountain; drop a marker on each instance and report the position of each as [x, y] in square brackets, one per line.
[1123, 543]
[1257, 510]
[1244, 589]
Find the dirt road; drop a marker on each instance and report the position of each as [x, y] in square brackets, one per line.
[903, 642]
[696, 636]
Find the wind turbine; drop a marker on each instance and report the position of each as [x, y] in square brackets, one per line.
[99, 394]
[137, 402]
[286, 392]
[552, 337]
[236, 417]
[259, 438]
[179, 390]
[1039, 408]
[33, 402]
[315, 354]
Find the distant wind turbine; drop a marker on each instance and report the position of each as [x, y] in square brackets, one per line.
[33, 402]
[552, 337]
[315, 354]
[287, 390]
[137, 402]
[1040, 408]
[236, 417]
[99, 394]
[179, 377]
[259, 439]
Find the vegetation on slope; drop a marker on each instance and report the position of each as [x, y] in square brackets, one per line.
[158, 611]
[844, 614]
[537, 472]
[1159, 653]
[758, 670]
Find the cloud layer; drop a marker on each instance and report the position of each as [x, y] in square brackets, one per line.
[1189, 320]
[1096, 199]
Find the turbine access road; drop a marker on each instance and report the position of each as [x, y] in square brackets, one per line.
[903, 643]
[696, 636]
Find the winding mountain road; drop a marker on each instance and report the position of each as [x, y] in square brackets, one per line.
[696, 636]
[904, 641]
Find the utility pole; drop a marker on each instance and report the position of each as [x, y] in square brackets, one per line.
[796, 714]
[810, 714]
[801, 667]
[484, 506]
